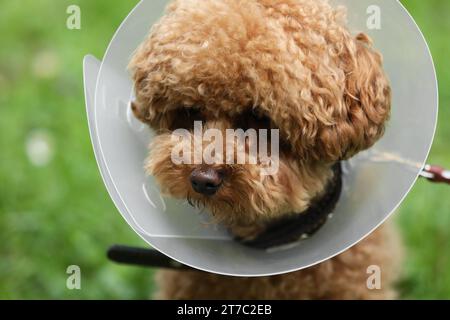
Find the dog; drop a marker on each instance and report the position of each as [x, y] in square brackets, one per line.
[289, 65]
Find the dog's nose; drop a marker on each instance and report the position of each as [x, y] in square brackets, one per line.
[206, 181]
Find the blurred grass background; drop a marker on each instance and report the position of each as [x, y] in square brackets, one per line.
[54, 209]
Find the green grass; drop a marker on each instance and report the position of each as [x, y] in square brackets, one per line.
[60, 214]
[424, 217]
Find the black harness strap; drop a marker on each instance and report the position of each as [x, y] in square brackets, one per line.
[295, 227]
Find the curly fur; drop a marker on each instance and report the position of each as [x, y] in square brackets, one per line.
[286, 64]
[343, 277]
[294, 60]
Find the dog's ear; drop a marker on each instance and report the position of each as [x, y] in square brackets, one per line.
[366, 104]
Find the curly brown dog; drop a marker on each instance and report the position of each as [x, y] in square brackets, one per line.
[286, 64]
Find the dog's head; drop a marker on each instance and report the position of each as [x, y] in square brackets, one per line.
[290, 65]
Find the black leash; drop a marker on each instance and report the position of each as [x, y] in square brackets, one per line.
[143, 257]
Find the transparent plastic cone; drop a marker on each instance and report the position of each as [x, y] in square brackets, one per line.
[375, 182]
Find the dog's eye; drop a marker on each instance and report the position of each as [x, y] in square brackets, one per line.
[261, 121]
[252, 120]
[185, 118]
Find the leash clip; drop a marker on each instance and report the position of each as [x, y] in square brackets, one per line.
[436, 174]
